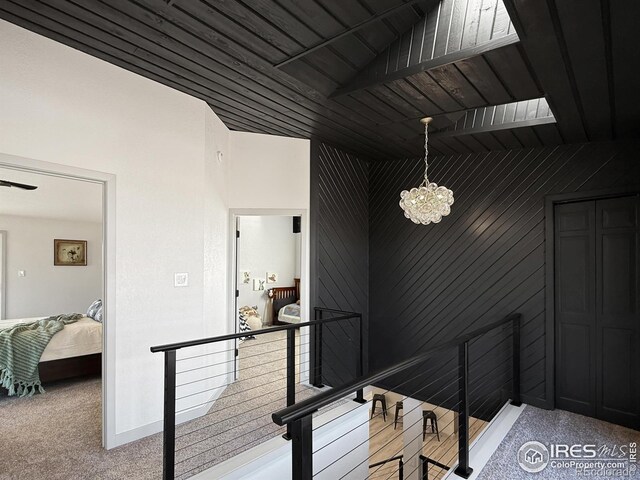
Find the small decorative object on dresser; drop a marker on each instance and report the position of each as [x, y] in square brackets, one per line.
[70, 252]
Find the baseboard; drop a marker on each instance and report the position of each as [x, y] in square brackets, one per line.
[537, 402]
[157, 427]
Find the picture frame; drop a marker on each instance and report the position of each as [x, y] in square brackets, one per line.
[72, 253]
[246, 276]
[258, 284]
[272, 277]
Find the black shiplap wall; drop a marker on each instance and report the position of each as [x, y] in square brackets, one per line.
[485, 260]
[339, 251]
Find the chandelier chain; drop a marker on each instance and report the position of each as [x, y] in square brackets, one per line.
[426, 152]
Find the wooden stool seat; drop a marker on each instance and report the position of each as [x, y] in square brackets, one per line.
[379, 397]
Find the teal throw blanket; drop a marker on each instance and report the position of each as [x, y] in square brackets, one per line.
[21, 347]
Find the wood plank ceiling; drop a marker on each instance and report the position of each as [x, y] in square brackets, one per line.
[357, 74]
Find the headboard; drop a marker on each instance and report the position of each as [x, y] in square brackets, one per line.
[283, 292]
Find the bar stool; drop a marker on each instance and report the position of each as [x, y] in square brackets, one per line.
[379, 397]
[431, 416]
[399, 407]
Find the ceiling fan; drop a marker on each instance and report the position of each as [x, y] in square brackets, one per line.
[6, 183]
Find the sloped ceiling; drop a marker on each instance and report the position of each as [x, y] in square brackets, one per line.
[357, 74]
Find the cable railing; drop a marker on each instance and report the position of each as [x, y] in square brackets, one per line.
[427, 464]
[434, 386]
[384, 463]
[220, 392]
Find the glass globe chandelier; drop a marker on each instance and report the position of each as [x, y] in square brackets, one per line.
[429, 202]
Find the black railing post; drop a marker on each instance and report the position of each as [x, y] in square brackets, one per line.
[401, 470]
[291, 375]
[317, 367]
[463, 470]
[169, 429]
[425, 468]
[516, 400]
[360, 362]
[301, 448]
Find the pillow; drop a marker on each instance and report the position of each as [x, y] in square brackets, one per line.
[95, 311]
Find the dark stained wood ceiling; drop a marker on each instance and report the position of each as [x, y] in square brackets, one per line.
[356, 73]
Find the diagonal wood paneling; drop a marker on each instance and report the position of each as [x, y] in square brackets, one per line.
[340, 256]
[486, 259]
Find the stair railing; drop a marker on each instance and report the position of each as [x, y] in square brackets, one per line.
[299, 416]
[193, 464]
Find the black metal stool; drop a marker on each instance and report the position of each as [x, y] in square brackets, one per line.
[429, 415]
[379, 397]
[399, 407]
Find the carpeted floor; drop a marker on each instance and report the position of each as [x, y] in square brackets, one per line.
[554, 427]
[57, 435]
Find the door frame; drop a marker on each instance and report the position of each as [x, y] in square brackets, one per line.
[305, 298]
[108, 182]
[550, 201]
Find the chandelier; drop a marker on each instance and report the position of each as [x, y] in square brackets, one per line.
[428, 203]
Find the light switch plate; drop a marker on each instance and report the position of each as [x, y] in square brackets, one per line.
[181, 280]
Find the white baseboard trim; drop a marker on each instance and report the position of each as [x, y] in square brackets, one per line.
[157, 427]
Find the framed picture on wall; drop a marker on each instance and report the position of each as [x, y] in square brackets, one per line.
[70, 252]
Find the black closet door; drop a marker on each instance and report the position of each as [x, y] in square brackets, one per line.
[617, 312]
[597, 309]
[575, 307]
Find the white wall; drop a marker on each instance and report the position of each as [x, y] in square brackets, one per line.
[266, 244]
[47, 289]
[272, 175]
[171, 197]
[62, 106]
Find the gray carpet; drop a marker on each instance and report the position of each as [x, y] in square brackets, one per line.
[57, 435]
[553, 427]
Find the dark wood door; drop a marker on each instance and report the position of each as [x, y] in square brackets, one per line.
[597, 309]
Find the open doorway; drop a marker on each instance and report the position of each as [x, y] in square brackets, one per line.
[268, 270]
[53, 288]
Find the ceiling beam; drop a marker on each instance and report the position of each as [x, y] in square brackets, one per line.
[527, 113]
[443, 60]
[355, 28]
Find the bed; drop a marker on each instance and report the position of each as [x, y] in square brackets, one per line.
[285, 306]
[74, 351]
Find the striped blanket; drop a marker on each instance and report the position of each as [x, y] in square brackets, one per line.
[21, 347]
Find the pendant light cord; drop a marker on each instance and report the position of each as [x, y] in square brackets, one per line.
[426, 154]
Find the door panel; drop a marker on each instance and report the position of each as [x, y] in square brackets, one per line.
[596, 308]
[574, 381]
[617, 389]
[575, 307]
[617, 318]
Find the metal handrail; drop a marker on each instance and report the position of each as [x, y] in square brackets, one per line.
[235, 336]
[169, 350]
[392, 459]
[311, 405]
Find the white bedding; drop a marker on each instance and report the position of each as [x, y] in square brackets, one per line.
[289, 313]
[83, 337]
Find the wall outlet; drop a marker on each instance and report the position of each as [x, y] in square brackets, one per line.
[22, 273]
[181, 280]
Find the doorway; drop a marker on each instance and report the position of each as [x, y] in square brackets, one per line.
[597, 314]
[106, 256]
[268, 269]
